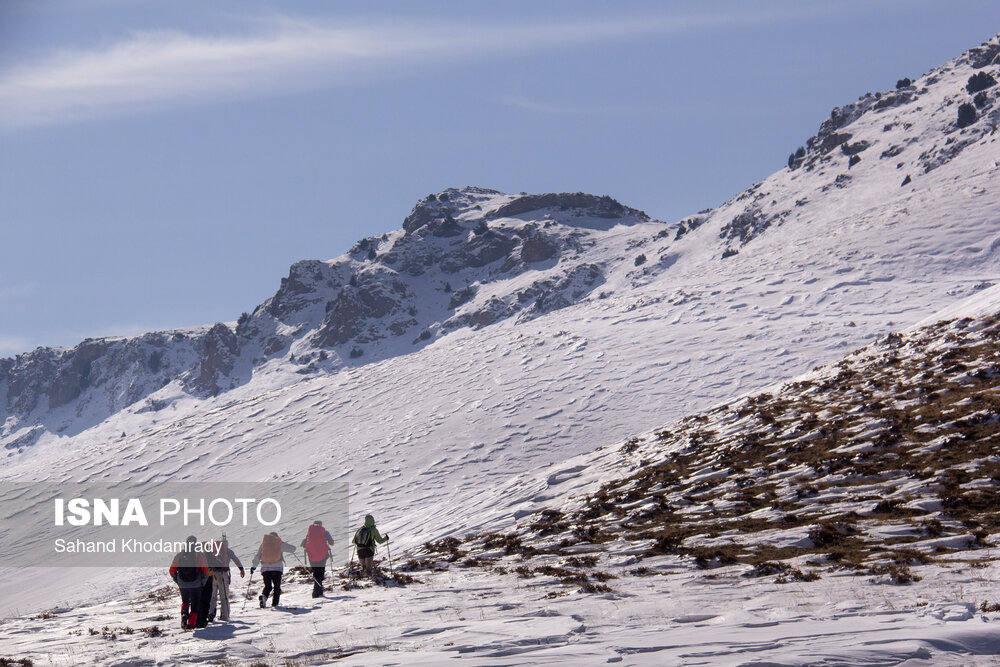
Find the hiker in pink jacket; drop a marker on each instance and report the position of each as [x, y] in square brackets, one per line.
[317, 550]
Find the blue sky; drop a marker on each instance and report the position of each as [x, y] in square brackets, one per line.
[161, 164]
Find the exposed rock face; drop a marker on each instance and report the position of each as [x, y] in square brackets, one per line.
[985, 55]
[97, 377]
[73, 375]
[598, 207]
[303, 288]
[355, 306]
[537, 248]
[437, 209]
[219, 350]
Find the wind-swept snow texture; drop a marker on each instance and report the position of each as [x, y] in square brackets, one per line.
[496, 334]
[680, 546]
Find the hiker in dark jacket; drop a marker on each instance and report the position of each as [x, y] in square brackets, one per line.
[317, 545]
[270, 556]
[366, 539]
[206, 611]
[218, 562]
[190, 572]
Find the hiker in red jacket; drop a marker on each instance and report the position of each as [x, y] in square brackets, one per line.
[190, 572]
[317, 550]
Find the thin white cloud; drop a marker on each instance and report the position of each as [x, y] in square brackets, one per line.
[153, 70]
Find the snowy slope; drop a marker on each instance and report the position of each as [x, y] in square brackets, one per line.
[583, 321]
[682, 566]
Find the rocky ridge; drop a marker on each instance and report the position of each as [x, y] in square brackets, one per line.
[403, 289]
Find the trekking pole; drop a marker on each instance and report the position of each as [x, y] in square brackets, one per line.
[304, 566]
[247, 596]
[389, 552]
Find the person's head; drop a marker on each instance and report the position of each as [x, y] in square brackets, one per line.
[273, 533]
[317, 522]
[369, 521]
[191, 539]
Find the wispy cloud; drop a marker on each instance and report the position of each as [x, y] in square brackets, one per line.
[153, 70]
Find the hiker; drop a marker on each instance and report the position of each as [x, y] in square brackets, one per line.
[317, 545]
[365, 540]
[219, 565]
[189, 571]
[208, 588]
[270, 555]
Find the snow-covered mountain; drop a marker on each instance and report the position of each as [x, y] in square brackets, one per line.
[473, 257]
[464, 259]
[495, 334]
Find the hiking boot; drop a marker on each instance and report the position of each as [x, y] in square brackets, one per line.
[260, 598]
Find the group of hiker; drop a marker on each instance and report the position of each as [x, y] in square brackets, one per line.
[203, 577]
[202, 571]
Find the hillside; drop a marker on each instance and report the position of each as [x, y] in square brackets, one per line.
[498, 334]
[846, 516]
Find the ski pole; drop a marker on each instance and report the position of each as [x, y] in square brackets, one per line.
[247, 596]
[389, 552]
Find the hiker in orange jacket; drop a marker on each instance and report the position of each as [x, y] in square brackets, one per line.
[270, 556]
[317, 545]
[189, 571]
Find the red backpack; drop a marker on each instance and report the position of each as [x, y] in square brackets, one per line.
[316, 547]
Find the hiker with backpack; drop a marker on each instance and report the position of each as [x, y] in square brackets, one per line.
[189, 571]
[208, 588]
[365, 540]
[270, 556]
[317, 545]
[219, 564]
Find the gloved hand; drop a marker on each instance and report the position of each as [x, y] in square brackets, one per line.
[242, 573]
[387, 537]
[174, 577]
[251, 571]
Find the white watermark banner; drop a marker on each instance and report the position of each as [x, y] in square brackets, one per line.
[145, 524]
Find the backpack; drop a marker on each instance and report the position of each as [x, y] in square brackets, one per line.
[316, 547]
[364, 538]
[270, 549]
[213, 561]
[187, 566]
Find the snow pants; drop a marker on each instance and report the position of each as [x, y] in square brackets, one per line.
[190, 601]
[319, 572]
[367, 559]
[220, 595]
[204, 602]
[272, 580]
